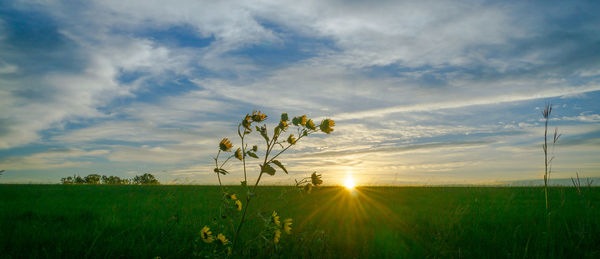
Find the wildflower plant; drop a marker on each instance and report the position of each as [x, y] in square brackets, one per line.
[307, 183]
[286, 134]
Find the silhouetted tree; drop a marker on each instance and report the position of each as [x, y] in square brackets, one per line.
[92, 179]
[67, 180]
[112, 180]
[78, 180]
[145, 179]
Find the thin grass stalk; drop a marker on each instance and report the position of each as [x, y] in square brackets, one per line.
[546, 114]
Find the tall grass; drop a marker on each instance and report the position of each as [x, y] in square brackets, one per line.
[548, 160]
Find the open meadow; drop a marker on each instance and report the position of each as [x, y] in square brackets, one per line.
[87, 221]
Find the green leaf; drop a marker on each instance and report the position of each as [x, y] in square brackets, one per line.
[263, 132]
[244, 184]
[296, 121]
[252, 154]
[276, 131]
[280, 165]
[220, 171]
[268, 169]
[284, 117]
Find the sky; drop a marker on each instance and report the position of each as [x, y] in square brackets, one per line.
[422, 92]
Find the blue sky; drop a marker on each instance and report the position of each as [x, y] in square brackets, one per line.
[422, 92]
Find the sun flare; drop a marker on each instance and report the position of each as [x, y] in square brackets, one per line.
[349, 183]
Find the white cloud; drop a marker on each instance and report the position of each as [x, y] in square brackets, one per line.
[583, 117]
[6, 68]
[60, 158]
[68, 96]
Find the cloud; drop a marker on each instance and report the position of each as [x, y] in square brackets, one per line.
[52, 98]
[582, 117]
[402, 149]
[51, 159]
[484, 100]
[159, 84]
[6, 68]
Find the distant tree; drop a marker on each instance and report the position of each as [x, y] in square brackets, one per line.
[78, 180]
[145, 179]
[98, 179]
[92, 179]
[115, 180]
[1, 171]
[66, 180]
[112, 180]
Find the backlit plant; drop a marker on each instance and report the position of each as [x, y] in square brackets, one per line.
[233, 211]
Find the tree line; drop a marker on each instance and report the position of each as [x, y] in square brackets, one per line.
[145, 179]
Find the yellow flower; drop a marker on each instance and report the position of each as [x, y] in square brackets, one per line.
[238, 205]
[283, 125]
[300, 120]
[327, 125]
[232, 196]
[303, 120]
[238, 154]
[223, 239]
[275, 218]
[246, 122]
[291, 139]
[257, 116]
[225, 145]
[206, 235]
[287, 226]
[276, 236]
[311, 125]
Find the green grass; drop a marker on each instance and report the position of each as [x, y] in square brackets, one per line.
[40, 221]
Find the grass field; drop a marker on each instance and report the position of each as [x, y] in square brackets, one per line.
[40, 221]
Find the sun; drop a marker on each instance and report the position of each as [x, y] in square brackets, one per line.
[349, 183]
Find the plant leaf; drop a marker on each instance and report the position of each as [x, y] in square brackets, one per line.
[263, 132]
[220, 171]
[280, 165]
[251, 154]
[268, 169]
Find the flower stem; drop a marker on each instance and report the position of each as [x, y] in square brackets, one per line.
[217, 166]
[249, 198]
